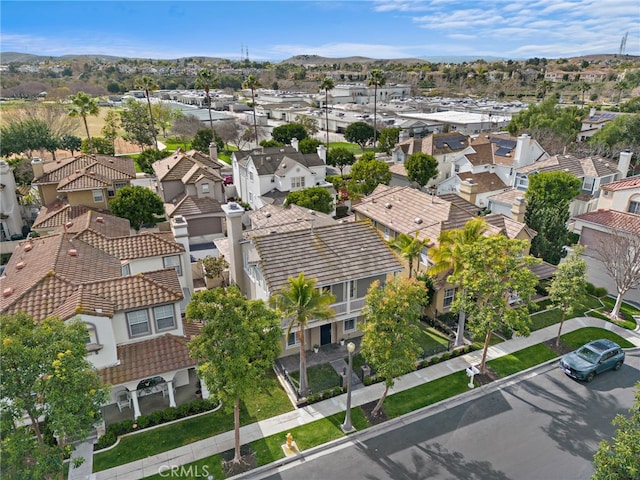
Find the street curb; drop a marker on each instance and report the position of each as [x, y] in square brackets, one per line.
[402, 420]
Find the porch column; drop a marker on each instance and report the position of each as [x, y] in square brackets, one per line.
[136, 406]
[203, 388]
[172, 400]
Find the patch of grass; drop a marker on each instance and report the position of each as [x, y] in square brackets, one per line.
[426, 394]
[430, 338]
[627, 309]
[521, 360]
[577, 338]
[544, 319]
[267, 404]
[320, 377]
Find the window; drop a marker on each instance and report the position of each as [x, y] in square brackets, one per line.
[119, 185]
[297, 182]
[587, 184]
[251, 176]
[138, 322]
[634, 207]
[386, 233]
[349, 325]
[448, 297]
[92, 338]
[164, 317]
[292, 340]
[173, 262]
[352, 289]
[97, 196]
[205, 188]
[111, 192]
[126, 270]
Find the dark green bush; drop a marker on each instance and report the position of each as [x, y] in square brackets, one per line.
[106, 440]
[600, 292]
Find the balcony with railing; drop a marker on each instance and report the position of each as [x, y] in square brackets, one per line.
[350, 307]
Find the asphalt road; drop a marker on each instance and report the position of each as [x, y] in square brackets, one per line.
[546, 427]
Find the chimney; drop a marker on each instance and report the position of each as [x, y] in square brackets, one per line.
[518, 209]
[522, 151]
[592, 111]
[234, 212]
[294, 143]
[180, 230]
[624, 162]
[322, 153]
[469, 190]
[213, 151]
[38, 167]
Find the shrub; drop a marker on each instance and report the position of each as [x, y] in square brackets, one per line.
[435, 360]
[143, 421]
[446, 356]
[108, 439]
[600, 292]
[156, 418]
[170, 414]
[590, 288]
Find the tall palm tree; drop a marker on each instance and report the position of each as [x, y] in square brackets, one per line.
[300, 301]
[447, 257]
[326, 85]
[544, 87]
[207, 80]
[408, 247]
[83, 105]
[253, 83]
[583, 87]
[148, 85]
[376, 80]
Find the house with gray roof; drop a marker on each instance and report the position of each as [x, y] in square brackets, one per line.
[344, 258]
[264, 176]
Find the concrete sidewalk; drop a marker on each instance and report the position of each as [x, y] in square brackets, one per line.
[283, 423]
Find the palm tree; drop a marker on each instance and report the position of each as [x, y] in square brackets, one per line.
[408, 248]
[82, 105]
[252, 83]
[148, 85]
[583, 87]
[620, 87]
[376, 80]
[544, 87]
[300, 301]
[207, 80]
[326, 85]
[447, 257]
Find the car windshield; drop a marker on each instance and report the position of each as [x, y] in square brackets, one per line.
[587, 354]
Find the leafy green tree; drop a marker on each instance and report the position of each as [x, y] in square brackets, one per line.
[447, 256]
[101, 146]
[619, 459]
[71, 143]
[147, 157]
[309, 123]
[23, 172]
[111, 127]
[619, 134]
[308, 145]
[367, 173]
[252, 83]
[389, 138]
[408, 248]
[548, 197]
[340, 157]
[421, 168]
[24, 137]
[376, 79]
[46, 378]
[206, 81]
[359, 133]
[392, 329]
[284, 133]
[163, 115]
[136, 123]
[569, 286]
[148, 84]
[315, 198]
[326, 85]
[299, 302]
[236, 348]
[271, 143]
[202, 140]
[83, 105]
[139, 205]
[492, 270]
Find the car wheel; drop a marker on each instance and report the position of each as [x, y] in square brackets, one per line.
[589, 377]
[618, 365]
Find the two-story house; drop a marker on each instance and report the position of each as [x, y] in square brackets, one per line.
[127, 290]
[264, 176]
[622, 195]
[191, 186]
[594, 122]
[11, 221]
[90, 180]
[344, 258]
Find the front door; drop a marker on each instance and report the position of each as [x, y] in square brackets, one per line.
[325, 334]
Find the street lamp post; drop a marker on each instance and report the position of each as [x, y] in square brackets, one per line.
[346, 426]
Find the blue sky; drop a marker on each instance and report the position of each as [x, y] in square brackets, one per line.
[276, 30]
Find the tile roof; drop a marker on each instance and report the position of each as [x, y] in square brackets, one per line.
[180, 165]
[486, 181]
[75, 173]
[134, 246]
[507, 226]
[190, 205]
[331, 254]
[613, 219]
[148, 358]
[580, 167]
[435, 144]
[271, 219]
[58, 215]
[482, 154]
[623, 184]
[278, 160]
[508, 196]
[407, 210]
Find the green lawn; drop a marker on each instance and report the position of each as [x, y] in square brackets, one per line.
[352, 147]
[320, 378]
[579, 337]
[264, 405]
[521, 360]
[431, 339]
[544, 318]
